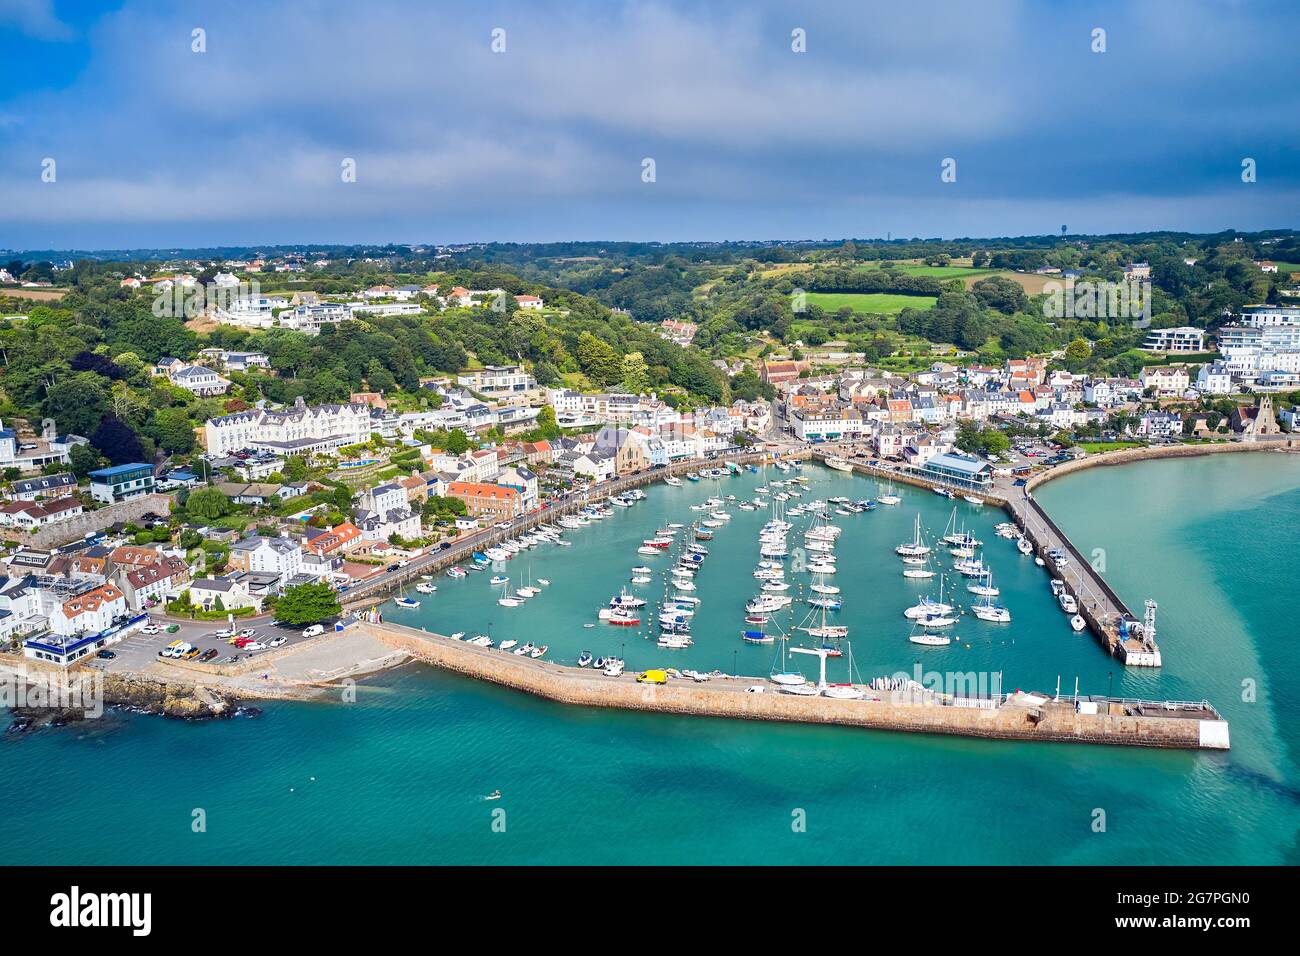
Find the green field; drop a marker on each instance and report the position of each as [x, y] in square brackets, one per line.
[874, 303]
[948, 272]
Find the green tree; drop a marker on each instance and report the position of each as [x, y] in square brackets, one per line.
[207, 504]
[77, 402]
[173, 430]
[307, 604]
[636, 374]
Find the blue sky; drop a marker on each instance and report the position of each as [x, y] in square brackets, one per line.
[156, 145]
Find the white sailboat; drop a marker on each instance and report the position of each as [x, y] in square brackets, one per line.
[505, 600]
[917, 547]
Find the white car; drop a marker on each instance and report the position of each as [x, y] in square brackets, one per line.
[254, 646]
[151, 629]
[277, 641]
[314, 630]
[248, 632]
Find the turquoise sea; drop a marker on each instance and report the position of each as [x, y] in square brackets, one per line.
[399, 775]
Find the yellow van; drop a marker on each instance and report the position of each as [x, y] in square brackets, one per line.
[653, 677]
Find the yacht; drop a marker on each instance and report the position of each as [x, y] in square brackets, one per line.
[426, 588]
[405, 602]
[931, 640]
[986, 610]
[1068, 604]
[506, 645]
[839, 464]
[917, 547]
[675, 482]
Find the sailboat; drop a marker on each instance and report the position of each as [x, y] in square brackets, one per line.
[845, 691]
[917, 567]
[505, 600]
[823, 630]
[785, 676]
[917, 547]
[889, 498]
[928, 606]
[986, 610]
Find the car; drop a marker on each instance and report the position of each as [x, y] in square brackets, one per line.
[254, 646]
[151, 629]
[444, 546]
[652, 677]
[313, 631]
[277, 641]
[106, 655]
[192, 653]
[173, 628]
[241, 641]
[248, 632]
[209, 654]
[227, 632]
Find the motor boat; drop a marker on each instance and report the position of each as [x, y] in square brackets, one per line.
[1078, 623]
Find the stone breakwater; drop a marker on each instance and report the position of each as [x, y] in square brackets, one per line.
[1028, 717]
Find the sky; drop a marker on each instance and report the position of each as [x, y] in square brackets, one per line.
[156, 144]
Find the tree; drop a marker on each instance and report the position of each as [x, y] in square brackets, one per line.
[457, 442]
[636, 374]
[307, 604]
[83, 459]
[117, 441]
[173, 431]
[78, 403]
[598, 359]
[208, 504]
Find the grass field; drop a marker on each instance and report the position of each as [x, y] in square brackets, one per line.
[1093, 447]
[874, 303]
[948, 272]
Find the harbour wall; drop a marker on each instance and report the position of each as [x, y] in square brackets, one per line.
[1041, 720]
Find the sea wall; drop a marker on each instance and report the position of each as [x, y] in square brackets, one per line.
[1148, 453]
[1048, 721]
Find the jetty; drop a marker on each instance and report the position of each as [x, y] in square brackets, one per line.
[1108, 617]
[1019, 716]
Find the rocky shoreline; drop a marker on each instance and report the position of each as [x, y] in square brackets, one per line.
[135, 694]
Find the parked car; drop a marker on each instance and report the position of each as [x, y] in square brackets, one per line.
[277, 641]
[248, 632]
[151, 629]
[173, 628]
[106, 655]
[313, 631]
[208, 655]
[192, 653]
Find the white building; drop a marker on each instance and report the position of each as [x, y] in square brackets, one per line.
[295, 430]
[1185, 338]
[1214, 379]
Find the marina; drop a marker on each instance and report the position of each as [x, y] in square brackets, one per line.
[690, 610]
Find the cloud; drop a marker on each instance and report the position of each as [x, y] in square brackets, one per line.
[34, 18]
[548, 137]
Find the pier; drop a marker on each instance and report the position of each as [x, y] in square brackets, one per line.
[1099, 605]
[1019, 716]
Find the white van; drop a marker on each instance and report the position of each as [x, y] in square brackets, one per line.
[313, 631]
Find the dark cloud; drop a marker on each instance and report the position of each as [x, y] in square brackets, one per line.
[158, 145]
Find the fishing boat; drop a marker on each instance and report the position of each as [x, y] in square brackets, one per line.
[405, 602]
[457, 572]
[917, 547]
[839, 464]
[943, 493]
[499, 579]
[623, 618]
[670, 480]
